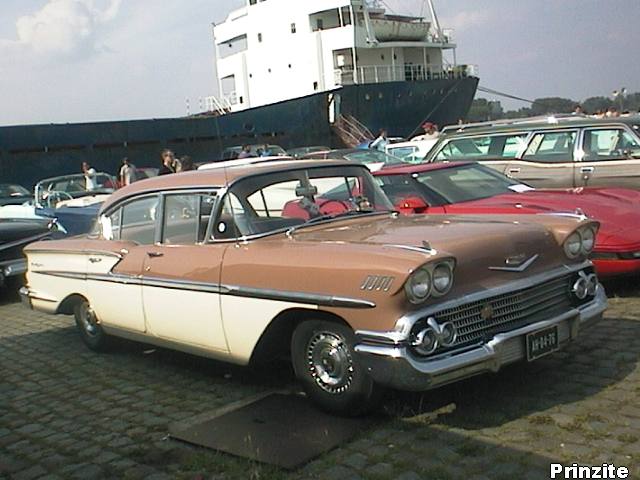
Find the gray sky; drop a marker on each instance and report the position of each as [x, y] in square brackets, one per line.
[87, 60]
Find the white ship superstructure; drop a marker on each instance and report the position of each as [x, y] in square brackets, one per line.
[274, 50]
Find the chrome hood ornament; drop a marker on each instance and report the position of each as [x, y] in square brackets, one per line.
[516, 263]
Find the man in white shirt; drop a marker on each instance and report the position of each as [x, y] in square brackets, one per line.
[89, 176]
[381, 142]
[127, 172]
[430, 132]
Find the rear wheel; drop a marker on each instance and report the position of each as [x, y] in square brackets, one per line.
[325, 362]
[91, 331]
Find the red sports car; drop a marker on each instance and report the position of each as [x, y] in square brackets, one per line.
[470, 188]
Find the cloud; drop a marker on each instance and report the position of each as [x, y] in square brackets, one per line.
[63, 28]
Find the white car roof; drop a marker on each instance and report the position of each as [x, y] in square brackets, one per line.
[242, 161]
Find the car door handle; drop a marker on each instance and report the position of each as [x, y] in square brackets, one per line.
[514, 170]
[155, 254]
[587, 169]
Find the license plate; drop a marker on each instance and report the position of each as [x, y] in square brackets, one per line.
[542, 342]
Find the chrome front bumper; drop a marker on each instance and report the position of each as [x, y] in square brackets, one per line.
[12, 268]
[396, 367]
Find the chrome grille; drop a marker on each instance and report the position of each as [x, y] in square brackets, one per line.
[510, 310]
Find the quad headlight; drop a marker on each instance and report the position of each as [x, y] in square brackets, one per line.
[443, 278]
[430, 280]
[580, 242]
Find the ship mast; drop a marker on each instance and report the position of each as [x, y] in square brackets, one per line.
[436, 23]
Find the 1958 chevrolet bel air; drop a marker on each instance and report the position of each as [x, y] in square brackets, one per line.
[216, 263]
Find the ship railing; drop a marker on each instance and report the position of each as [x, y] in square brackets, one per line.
[402, 73]
[220, 106]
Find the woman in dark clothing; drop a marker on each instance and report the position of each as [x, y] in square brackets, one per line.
[168, 160]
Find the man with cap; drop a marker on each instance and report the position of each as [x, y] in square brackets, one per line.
[430, 132]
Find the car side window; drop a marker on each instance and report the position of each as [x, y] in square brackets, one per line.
[609, 144]
[139, 220]
[486, 146]
[186, 218]
[551, 147]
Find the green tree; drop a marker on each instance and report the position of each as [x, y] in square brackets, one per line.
[544, 106]
[482, 110]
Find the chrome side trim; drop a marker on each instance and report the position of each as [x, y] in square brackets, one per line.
[424, 250]
[297, 297]
[400, 333]
[105, 253]
[520, 268]
[236, 291]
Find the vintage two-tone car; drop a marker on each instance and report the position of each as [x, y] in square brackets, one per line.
[360, 297]
[469, 188]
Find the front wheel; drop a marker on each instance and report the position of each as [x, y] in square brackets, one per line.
[89, 326]
[324, 361]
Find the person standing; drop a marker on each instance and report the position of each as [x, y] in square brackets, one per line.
[127, 172]
[186, 164]
[430, 132]
[168, 161]
[381, 142]
[89, 176]
[246, 152]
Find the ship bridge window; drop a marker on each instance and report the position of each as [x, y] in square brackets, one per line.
[232, 46]
[325, 20]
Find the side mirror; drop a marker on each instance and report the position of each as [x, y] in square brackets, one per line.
[412, 204]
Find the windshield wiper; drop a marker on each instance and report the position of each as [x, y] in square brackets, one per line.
[350, 213]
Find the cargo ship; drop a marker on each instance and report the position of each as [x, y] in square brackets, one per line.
[289, 72]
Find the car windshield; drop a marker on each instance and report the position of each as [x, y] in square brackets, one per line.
[450, 185]
[278, 201]
[7, 190]
[74, 186]
[369, 156]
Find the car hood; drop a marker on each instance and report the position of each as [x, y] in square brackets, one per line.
[615, 208]
[477, 243]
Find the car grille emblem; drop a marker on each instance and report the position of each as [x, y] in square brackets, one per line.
[487, 312]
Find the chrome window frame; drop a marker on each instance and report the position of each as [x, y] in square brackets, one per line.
[614, 126]
[533, 133]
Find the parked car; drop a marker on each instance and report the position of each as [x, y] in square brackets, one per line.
[554, 152]
[412, 151]
[11, 194]
[359, 296]
[300, 152]
[470, 188]
[67, 199]
[231, 153]
[15, 234]
[372, 158]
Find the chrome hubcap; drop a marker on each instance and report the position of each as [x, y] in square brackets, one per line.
[329, 362]
[89, 320]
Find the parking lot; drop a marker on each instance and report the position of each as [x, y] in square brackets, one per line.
[66, 412]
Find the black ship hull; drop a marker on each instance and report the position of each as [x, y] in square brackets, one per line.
[32, 152]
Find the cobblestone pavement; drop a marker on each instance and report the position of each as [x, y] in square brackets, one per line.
[66, 412]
